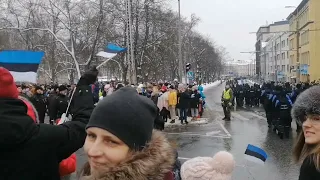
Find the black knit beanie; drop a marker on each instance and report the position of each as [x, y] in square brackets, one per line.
[127, 115]
[62, 87]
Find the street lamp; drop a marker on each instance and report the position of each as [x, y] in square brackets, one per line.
[290, 7]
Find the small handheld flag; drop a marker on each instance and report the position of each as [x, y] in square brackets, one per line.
[113, 48]
[23, 65]
[256, 154]
[111, 51]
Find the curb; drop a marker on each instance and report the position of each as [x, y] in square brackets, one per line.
[200, 122]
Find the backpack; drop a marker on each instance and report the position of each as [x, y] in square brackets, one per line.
[267, 100]
[283, 104]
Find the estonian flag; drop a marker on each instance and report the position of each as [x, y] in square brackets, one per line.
[23, 65]
[256, 154]
[111, 51]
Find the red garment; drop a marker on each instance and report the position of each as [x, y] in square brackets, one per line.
[68, 166]
[31, 111]
[8, 88]
[164, 88]
[169, 176]
[93, 87]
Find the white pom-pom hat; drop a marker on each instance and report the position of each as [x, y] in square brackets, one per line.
[219, 167]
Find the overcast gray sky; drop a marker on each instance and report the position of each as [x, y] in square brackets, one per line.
[228, 22]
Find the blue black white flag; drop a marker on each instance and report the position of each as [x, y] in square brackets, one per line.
[111, 51]
[23, 65]
[256, 154]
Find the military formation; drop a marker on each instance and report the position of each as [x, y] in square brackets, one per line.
[277, 100]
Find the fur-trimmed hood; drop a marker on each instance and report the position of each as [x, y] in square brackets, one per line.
[308, 102]
[152, 163]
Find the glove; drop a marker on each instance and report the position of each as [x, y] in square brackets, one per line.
[89, 77]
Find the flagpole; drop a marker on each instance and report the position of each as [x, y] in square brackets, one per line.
[104, 63]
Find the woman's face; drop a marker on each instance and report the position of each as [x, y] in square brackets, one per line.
[311, 129]
[104, 149]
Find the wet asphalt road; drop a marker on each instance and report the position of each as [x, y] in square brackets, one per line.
[248, 126]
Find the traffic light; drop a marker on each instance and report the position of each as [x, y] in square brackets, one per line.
[188, 67]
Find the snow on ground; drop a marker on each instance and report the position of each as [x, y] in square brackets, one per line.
[212, 84]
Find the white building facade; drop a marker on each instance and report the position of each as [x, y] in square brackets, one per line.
[274, 53]
[241, 69]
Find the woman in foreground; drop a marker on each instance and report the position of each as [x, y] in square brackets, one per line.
[306, 112]
[121, 142]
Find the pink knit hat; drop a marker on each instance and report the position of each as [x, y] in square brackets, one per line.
[220, 167]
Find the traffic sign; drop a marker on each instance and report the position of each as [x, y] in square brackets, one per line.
[190, 75]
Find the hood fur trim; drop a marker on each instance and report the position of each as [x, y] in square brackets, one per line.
[25, 100]
[153, 162]
[308, 102]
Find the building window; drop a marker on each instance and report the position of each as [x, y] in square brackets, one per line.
[288, 54]
[304, 38]
[283, 55]
[283, 68]
[291, 44]
[305, 58]
[304, 17]
[283, 43]
[288, 68]
[292, 59]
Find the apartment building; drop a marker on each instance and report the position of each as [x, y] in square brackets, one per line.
[241, 68]
[304, 41]
[274, 51]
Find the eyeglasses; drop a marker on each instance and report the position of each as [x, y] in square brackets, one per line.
[314, 119]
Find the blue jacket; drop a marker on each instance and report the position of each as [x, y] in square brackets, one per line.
[200, 88]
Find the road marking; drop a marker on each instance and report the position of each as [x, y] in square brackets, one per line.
[258, 116]
[201, 135]
[212, 133]
[224, 129]
[238, 116]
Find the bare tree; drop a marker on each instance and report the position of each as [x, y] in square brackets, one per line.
[71, 32]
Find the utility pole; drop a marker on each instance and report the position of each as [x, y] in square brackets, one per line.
[274, 58]
[281, 58]
[298, 47]
[181, 70]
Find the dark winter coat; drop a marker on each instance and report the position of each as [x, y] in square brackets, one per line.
[40, 103]
[159, 122]
[308, 170]
[31, 151]
[58, 106]
[184, 100]
[195, 100]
